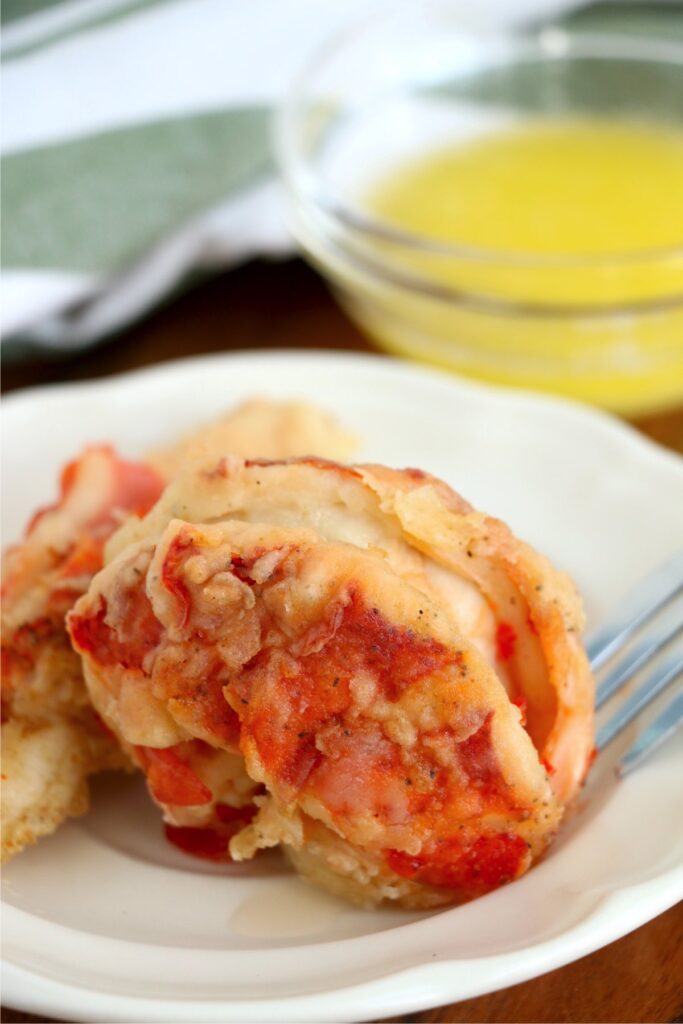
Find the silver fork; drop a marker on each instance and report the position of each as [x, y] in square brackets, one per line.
[655, 598]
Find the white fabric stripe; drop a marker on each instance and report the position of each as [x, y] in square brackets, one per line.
[214, 54]
[30, 295]
[176, 58]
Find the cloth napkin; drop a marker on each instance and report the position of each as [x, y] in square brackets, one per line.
[136, 148]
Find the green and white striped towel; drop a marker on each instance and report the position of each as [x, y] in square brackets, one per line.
[136, 150]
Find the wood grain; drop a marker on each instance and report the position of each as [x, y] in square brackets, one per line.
[267, 305]
[636, 979]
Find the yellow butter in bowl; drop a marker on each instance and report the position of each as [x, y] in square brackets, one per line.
[559, 237]
[505, 203]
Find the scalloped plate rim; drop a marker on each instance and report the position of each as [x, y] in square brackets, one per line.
[402, 990]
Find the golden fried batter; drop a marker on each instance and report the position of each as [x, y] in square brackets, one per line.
[52, 738]
[402, 676]
[261, 428]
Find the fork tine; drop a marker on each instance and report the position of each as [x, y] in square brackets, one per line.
[633, 662]
[664, 726]
[657, 681]
[652, 593]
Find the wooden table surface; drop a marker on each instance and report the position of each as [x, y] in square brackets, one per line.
[261, 306]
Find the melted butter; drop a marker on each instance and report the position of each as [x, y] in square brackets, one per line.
[606, 193]
[553, 187]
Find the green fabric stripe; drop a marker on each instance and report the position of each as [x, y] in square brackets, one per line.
[640, 88]
[94, 22]
[97, 203]
[614, 88]
[651, 20]
[15, 10]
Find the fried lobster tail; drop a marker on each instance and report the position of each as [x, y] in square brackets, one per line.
[401, 677]
[52, 740]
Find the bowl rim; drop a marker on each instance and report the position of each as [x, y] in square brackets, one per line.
[482, 302]
[545, 44]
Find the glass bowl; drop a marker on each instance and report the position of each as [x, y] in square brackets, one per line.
[606, 328]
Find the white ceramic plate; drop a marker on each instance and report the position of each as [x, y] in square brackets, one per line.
[105, 921]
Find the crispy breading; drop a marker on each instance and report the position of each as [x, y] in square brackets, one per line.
[259, 427]
[403, 676]
[45, 768]
[52, 738]
[46, 708]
